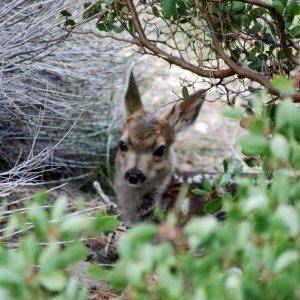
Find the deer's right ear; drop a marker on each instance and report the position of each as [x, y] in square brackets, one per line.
[184, 113]
[133, 100]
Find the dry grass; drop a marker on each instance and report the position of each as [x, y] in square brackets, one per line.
[56, 91]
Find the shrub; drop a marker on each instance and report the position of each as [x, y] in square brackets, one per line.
[247, 42]
[57, 92]
[255, 253]
[36, 265]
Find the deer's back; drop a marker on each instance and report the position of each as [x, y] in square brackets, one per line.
[184, 205]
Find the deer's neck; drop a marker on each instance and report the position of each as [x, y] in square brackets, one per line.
[135, 201]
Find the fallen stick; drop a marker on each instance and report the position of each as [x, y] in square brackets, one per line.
[111, 207]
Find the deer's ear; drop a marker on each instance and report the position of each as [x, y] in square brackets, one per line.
[184, 113]
[133, 100]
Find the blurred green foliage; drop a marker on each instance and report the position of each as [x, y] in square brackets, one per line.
[255, 254]
[35, 265]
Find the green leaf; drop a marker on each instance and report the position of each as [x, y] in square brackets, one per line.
[295, 31]
[159, 213]
[207, 185]
[255, 201]
[130, 26]
[198, 229]
[288, 117]
[185, 93]
[117, 29]
[117, 278]
[233, 113]
[288, 215]
[65, 13]
[59, 208]
[256, 64]
[238, 7]
[257, 11]
[238, 170]
[70, 22]
[12, 225]
[101, 26]
[39, 219]
[225, 179]
[169, 8]
[9, 277]
[155, 11]
[295, 156]
[40, 197]
[281, 54]
[293, 8]
[285, 259]
[96, 271]
[52, 280]
[74, 224]
[4, 294]
[278, 5]
[280, 147]
[182, 7]
[49, 254]
[212, 206]
[104, 223]
[73, 290]
[29, 248]
[285, 85]
[256, 28]
[225, 165]
[280, 186]
[111, 18]
[233, 285]
[142, 232]
[4, 255]
[200, 192]
[253, 144]
[251, 161]
[71, 254]
[91, 9]
[136, 273]
[125, 247]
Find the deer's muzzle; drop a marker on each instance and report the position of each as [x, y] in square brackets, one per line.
[134, 176]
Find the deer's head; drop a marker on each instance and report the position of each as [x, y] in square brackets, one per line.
[145, 152]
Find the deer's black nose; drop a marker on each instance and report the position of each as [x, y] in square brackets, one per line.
[134, 176]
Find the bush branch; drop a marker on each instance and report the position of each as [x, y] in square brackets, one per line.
[146, 43]
[243, 70]
[276, 15]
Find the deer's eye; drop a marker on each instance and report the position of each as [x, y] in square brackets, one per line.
[123, 146]
[159, 151]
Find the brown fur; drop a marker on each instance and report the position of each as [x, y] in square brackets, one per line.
[143, 133]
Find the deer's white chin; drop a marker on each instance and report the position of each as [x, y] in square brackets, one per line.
[135, 186]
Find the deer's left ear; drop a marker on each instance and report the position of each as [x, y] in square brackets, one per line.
[184, 113]
[132, 99]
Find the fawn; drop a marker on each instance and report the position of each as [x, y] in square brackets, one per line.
[145, 161]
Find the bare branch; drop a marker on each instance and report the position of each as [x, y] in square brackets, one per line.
[145, 42]
[242, 70]
[111, 207]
